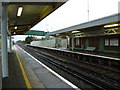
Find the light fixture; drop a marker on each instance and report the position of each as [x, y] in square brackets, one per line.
[67, 36]
[15, 27]
[75, 31]
[19, 11]
[57, 34]
[14, 32]
[112, 25]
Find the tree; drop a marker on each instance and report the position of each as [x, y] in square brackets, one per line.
[29, 39]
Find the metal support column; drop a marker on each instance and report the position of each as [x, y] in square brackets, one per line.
[0, 47]
[10, 44]
[101, 44]
[73, 43]
[4, 42]
[68, 42]
[86, 43]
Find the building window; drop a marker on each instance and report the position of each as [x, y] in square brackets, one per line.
[114, 42]
[106, 42]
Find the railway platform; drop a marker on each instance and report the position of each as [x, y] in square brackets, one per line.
[15, 79]
[108, 54]
[25, 71]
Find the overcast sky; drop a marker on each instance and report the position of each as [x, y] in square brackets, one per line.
[76, 12]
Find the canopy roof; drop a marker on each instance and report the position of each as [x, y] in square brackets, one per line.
[91, 28]
[33, 12]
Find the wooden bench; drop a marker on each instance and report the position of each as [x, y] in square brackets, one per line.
[90, 48]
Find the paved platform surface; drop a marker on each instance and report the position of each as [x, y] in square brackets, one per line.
[15, 79]
[109, 54]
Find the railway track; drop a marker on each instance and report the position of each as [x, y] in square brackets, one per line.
[85, 75]
[92, 67]
[106, 73]
[85, 64]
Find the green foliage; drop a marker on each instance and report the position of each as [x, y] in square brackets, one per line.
[29, 39]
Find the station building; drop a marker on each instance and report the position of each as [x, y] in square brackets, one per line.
[101, 35]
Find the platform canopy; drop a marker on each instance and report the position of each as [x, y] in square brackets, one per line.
[108, 25]
[33, 11]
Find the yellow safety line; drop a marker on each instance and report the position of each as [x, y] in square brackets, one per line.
[24, 74]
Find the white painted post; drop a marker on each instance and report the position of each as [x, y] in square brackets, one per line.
[4, 42]
[0, 47]
[73, 43]
[10, 44]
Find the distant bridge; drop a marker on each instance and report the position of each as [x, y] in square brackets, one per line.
[36, 33]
